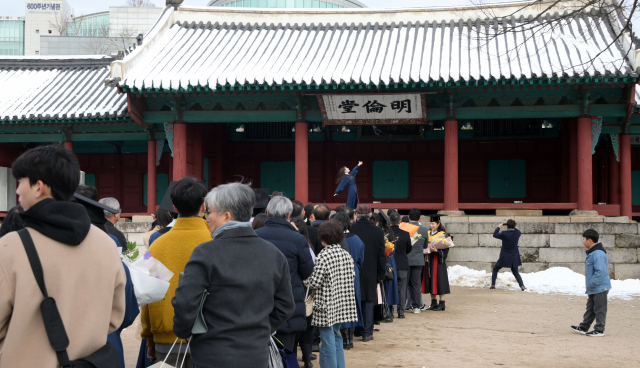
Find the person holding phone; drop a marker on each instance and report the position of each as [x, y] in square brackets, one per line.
[347, 180]
[509, 253]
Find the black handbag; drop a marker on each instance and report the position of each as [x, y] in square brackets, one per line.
[105, 357]
[382, 311]
[388, 272]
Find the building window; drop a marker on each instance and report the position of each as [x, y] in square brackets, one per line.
[37, 31]
[37, 52]
[49, 31]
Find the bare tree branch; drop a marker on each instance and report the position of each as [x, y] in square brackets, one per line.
[140, 4]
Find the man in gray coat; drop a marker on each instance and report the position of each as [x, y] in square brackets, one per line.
[246, 282]
[416, 265]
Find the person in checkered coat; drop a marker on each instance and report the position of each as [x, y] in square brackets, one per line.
[334, 299]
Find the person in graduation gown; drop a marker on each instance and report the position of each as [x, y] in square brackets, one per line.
[347, 180]
[436, 280]
[356, 249]
[390, 286]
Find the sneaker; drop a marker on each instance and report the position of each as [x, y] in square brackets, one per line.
[523, 288]
[425, 307]
[416, 310]
[408, 308]
[595, 333]
[579, 330]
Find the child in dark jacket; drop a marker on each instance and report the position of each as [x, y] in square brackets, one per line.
[596, 272]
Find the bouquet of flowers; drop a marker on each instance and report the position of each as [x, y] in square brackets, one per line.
[150, 278]
[413, 232]
[388, 246]
[440, 242]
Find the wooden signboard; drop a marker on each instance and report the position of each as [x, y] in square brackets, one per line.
[379, 109]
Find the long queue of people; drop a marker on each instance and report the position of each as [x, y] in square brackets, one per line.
[302, 274]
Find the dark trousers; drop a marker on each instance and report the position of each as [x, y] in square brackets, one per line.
[596, 309]
[403, 283]
[287, 339]
[367, 316]
[305, 340]
[514, 270]
[415, 286]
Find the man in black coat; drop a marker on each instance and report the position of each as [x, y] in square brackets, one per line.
[372, 268]
[320, 214]
[278, 231]
[509, 253]
[403, 247]
[248, 281]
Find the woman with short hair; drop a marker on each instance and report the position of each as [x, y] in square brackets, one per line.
[334, 302]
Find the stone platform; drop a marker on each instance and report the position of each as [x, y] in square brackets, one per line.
[545, 242]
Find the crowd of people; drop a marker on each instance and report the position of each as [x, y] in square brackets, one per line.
[247, 278]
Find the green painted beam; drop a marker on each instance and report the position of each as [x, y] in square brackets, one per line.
[313, 116]
[89, 137]
[514, 112]
[152, 117]
[633, 129]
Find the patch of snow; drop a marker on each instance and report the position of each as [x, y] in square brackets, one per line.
[555, 280]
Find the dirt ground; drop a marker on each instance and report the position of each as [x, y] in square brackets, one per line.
[489, 328]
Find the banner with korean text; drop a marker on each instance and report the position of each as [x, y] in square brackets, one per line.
[373, 109]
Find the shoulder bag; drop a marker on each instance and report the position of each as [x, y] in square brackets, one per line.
[388, 272]
[105, 357]
[382, 311]
[308, 303]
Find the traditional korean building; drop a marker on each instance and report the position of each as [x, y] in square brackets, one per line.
[448, 110]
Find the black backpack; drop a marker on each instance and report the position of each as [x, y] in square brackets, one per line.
[105, 357]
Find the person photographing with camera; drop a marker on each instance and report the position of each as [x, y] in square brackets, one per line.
[509, 253]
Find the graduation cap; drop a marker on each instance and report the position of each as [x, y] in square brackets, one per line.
[382, 217]
[167, 204]
[94, 209]
[435, 217]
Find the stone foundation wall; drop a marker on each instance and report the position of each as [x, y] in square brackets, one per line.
[544, 245]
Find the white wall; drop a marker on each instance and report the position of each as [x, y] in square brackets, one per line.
[38, 19]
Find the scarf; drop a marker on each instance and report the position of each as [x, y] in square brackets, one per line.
[230, 225]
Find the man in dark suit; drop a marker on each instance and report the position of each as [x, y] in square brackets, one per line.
[403, 247]
[509, 254]
[372, 268]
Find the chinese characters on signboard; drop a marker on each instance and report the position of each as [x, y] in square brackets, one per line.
[372, 109]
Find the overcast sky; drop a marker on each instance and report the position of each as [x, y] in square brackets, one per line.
[17, 7]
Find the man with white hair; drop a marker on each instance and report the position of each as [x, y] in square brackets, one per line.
[112, 219]
[279, 231]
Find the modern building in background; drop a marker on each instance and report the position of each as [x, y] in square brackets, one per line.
[44, 18]
[11, 35]
[102, 33]
[288, 3]
[52, 28]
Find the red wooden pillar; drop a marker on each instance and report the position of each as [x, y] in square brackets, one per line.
[151, 176]
[179, 150]
[625, 175]
[573, 161]
[68, 145]
[585, 168]
[451, 165]
[302, 162]
[614, 179]
[197, 147]
[219, 153]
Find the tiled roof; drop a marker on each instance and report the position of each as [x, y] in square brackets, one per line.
[58, 87]
[193, 49]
